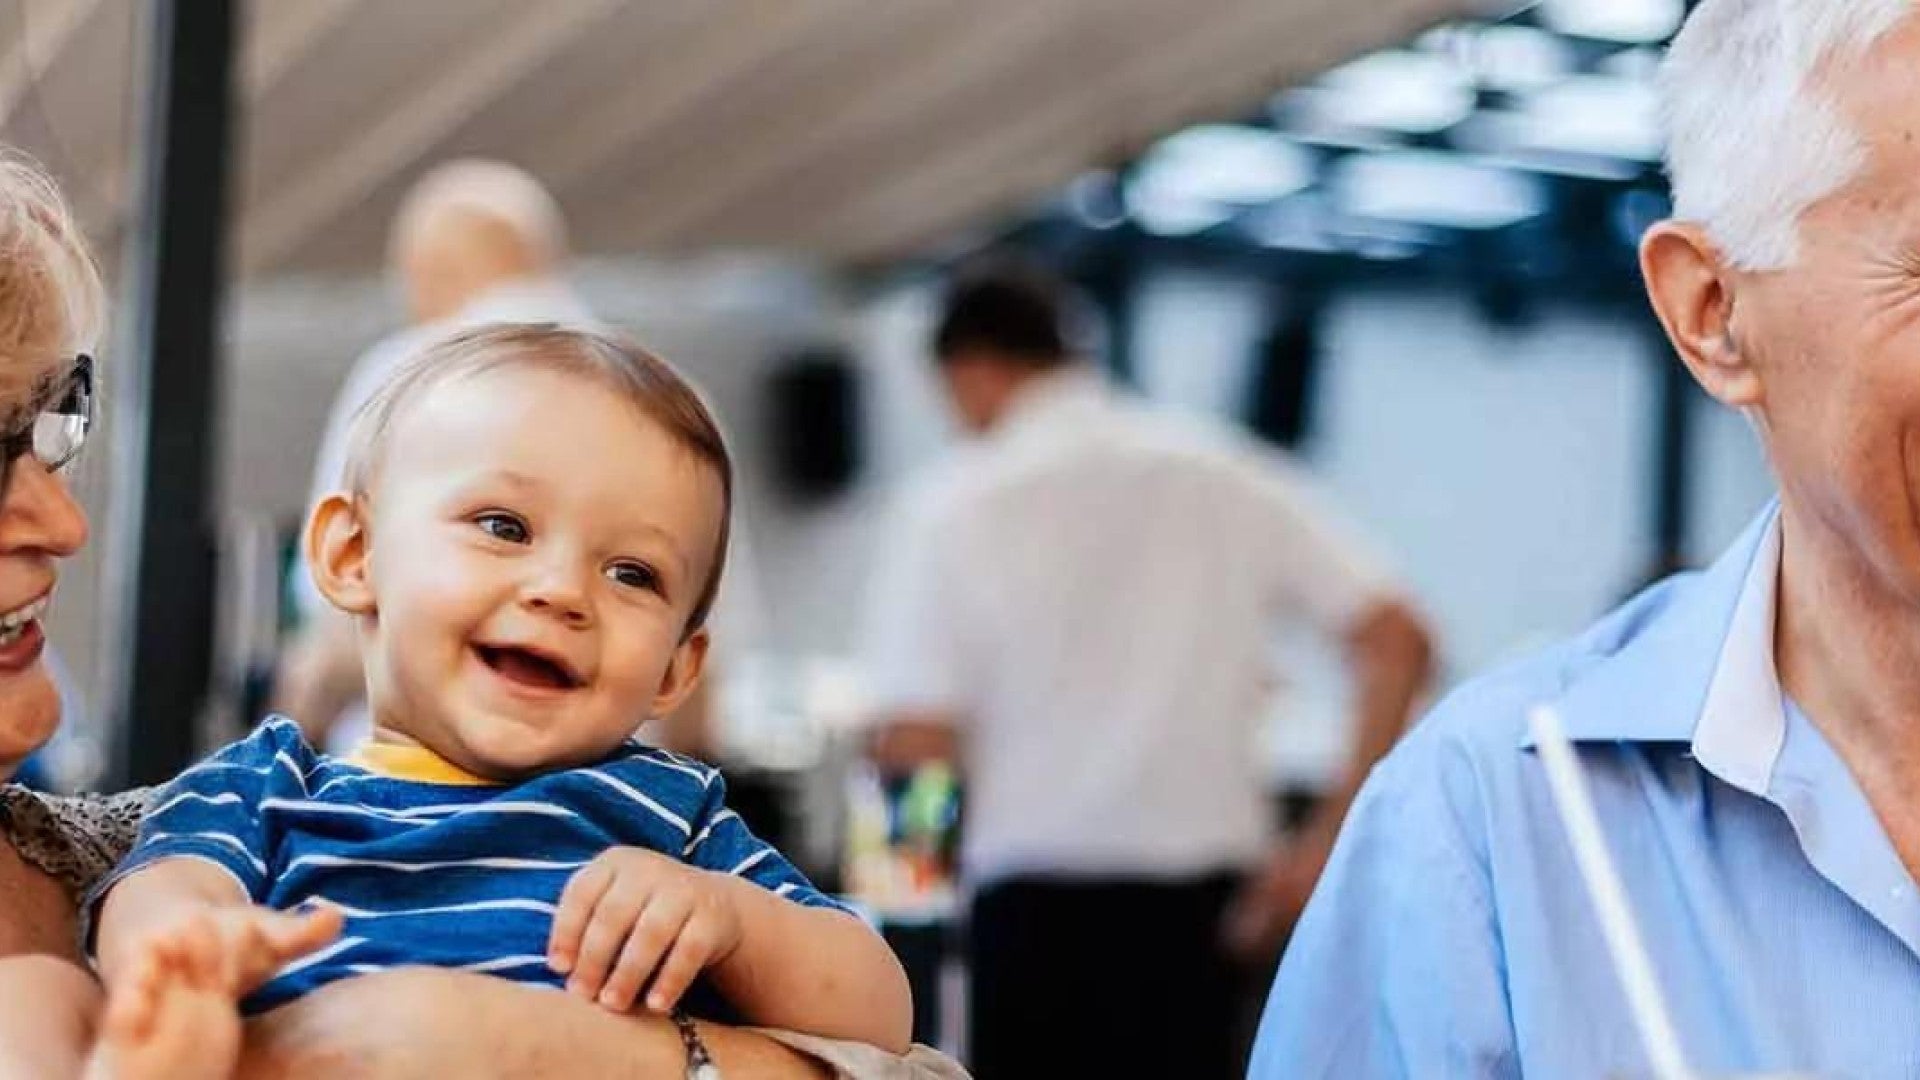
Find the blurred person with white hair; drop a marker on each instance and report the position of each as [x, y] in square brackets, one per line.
[1076, 611]
[474, 241]
[1749, 733]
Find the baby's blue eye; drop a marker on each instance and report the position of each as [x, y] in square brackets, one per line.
[634, 575]
[503, 527]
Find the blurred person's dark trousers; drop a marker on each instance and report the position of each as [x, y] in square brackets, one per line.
[1072, 977]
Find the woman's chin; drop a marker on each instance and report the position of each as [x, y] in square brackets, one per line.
[29, 712]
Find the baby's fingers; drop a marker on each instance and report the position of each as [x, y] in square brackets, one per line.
[693, 950]
[132, 1000]
[603, 940]
[291, 935]
[570, 917]
[263, 941]
[658, 927]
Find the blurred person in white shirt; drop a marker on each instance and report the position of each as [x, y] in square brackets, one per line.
[1076, 611]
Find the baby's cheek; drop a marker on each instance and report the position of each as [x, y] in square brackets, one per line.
[439, 588]
[635, 674]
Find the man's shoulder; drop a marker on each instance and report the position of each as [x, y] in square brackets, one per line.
[376, 364]
[1127, 440]
[1194, 451]
[1477, 732]
[378, 361]
[944, 491]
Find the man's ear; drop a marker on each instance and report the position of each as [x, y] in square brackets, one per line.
[1692, 291]
[683, 673]
[337, 549]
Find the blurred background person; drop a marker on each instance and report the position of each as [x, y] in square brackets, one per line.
[1076, 610]
[474, 242]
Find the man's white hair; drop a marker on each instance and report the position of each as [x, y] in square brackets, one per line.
[1751, 144]
[494, 190]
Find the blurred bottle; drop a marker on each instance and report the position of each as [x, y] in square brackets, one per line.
[901, 839]
[929, 809]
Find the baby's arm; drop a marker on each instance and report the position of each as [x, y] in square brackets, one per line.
[632, 914]
[812, 969]
[179, 946]
[203, 857]
[161, 898]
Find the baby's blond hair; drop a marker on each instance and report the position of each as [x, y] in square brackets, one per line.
[52, 301]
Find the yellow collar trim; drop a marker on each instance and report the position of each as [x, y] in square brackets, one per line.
[415, 763]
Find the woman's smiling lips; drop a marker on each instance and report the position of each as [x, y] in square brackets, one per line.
[21, 638]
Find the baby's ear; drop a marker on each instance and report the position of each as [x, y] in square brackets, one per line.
[683, 673]
[336, 550]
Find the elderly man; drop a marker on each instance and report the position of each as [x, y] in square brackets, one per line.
[1749, 733]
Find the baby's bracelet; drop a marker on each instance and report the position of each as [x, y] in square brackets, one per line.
[700, 1064]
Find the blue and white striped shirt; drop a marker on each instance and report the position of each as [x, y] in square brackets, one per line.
[448, 874]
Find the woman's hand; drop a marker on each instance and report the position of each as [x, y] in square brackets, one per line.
[631, 914]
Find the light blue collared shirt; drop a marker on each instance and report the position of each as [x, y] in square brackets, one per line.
[1451, 935]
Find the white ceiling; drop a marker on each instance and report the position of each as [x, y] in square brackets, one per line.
[852, 130]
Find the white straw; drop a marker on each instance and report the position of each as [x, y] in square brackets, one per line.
[1624, 944]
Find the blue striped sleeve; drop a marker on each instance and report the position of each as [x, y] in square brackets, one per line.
[721, 841]
[212, 811]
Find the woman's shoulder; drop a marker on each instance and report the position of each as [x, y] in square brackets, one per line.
[75, 839]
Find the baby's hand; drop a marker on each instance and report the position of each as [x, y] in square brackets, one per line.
[240, 946]
[261, 941]
[630, 912]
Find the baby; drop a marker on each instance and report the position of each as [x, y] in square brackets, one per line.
[532, 533]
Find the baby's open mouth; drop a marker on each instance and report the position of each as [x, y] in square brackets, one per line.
[529, 667]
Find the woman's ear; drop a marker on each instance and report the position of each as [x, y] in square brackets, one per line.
[1692, 291]
[336, 548]
[683, 673]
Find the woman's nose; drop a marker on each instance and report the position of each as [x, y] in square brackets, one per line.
[39, 513]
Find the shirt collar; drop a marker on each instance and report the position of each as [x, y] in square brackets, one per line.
[417, 763]
[1651, 681]
[1744, 722]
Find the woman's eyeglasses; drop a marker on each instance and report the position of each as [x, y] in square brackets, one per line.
[56, 425]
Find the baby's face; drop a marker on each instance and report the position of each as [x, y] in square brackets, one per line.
[537, 545]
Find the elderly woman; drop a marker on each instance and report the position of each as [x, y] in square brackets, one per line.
[404, 1023]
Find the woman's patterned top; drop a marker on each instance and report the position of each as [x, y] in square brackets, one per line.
[75, 839]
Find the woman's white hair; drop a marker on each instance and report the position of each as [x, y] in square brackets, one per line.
[1751, 143]
[52, 301]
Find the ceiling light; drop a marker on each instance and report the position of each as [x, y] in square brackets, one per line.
[1629, 21]
[1424, 187]
[1396, 90]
